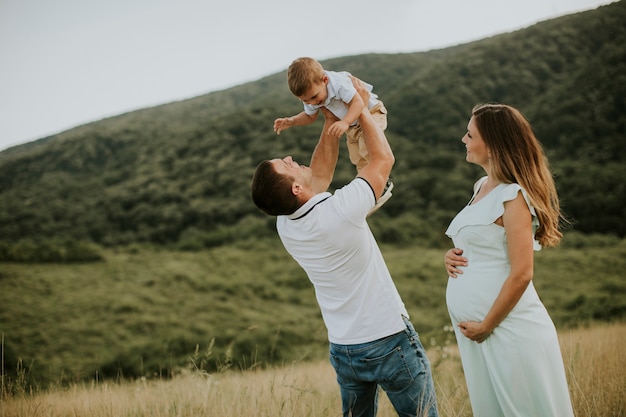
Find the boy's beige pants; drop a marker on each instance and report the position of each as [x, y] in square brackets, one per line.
[354, 136]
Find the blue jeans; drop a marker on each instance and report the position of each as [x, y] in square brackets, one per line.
[396, 363]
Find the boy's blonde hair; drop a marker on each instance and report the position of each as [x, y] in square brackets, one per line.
[302, 74]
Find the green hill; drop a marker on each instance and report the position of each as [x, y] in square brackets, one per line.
[178, 174]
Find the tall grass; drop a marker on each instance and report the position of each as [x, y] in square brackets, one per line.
[595, 361]
[593, 355]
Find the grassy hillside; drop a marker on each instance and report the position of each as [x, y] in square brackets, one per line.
[178, 174]
[144, 312]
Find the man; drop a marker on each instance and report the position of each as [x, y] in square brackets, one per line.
[372, 341]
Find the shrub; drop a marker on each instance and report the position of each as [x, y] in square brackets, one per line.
[54, 250]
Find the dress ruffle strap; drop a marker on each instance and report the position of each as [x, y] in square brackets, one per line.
[490, 208]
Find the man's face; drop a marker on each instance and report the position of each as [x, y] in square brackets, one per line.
[287, 166]
[301, 174]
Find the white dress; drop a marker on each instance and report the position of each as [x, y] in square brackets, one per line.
[518, 370]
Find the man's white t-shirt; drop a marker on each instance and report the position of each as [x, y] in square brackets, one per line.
[330, 239]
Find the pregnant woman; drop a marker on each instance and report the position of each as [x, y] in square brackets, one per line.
[508, 343]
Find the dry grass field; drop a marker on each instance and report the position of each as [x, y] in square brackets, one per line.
[594, 359]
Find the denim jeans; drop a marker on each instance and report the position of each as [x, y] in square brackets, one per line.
[396, 363]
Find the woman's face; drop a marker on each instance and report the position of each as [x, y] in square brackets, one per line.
[477, 151]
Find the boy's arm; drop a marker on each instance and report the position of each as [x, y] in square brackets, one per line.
[303, 119]
[354, 111]
[300, 119]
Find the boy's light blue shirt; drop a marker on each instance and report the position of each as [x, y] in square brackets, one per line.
[341, 91]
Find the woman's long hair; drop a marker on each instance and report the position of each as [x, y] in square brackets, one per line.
[517, 157]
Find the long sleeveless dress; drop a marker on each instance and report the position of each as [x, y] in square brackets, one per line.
[518, 370]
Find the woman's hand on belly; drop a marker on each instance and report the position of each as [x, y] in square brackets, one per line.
[452, 260]
[474, 330]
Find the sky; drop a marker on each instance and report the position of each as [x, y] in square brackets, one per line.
[64, 63]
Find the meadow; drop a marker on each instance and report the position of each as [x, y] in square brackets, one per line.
[153, 332]
[593, 355]
[142, 312]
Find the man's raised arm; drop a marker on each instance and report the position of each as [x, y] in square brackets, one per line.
[324, 158]
[381, 157]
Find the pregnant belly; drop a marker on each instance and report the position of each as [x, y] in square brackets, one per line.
[470, 296]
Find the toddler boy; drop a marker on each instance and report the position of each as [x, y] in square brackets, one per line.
[317, 88]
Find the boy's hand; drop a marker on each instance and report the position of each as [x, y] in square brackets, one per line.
[338, 128]
[283, 123]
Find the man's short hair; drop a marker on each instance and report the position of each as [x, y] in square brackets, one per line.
[271, 191]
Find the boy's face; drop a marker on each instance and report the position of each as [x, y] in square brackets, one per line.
[317, 94]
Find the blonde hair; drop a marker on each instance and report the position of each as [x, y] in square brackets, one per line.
[518, 157]
[302, 74]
